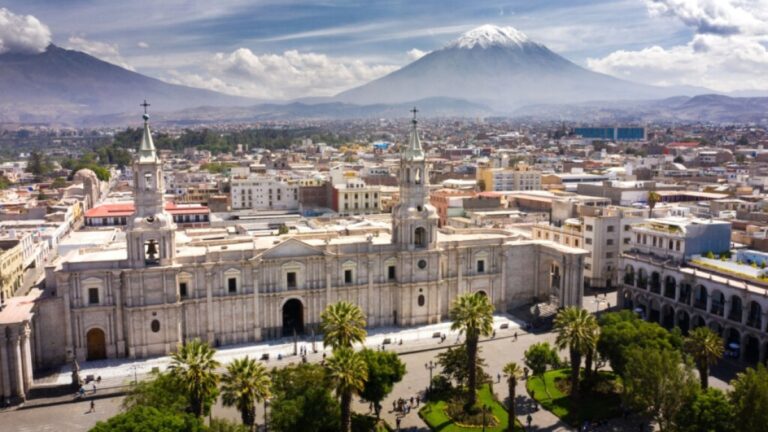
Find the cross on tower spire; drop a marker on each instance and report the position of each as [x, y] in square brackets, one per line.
[414, 111]
[145, 105]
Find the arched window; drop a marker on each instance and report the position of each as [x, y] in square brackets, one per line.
[155, 326]
[417, 178]
[421, 300]
[420, 237]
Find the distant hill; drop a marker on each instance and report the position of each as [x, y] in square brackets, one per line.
[433, 107]
[63, 85]
[703, 108]
[504, 69]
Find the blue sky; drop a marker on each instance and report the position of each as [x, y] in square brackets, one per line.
[284, 48]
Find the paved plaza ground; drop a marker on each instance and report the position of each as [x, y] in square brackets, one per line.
[417, 349]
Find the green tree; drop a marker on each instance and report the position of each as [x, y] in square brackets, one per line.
[302, 400]
[706, 348]
[653, 199]
[750, 398]
[164, 392]
[59, 182]
[224, 425]
[453, 363]
[38, 164]
[385, 369]
[514, 374]
[678, 159]
[472, 315]
[283, 229]
[245, 383]
[538, 357]
[620, 331]
[348, 372]
[193, 364]
[577, 331]
[707, 411]
[342, 324]
[658, 384]
[145, 419]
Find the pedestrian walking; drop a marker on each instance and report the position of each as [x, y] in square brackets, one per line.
[93, 407]
[498, 377]
[515, 336]
[94, 388]
[411, 400]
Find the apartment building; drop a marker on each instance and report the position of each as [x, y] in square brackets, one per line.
[521, 177]
[603, 231]
[264, 192]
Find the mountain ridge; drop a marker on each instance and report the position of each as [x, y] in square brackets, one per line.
[503, 68]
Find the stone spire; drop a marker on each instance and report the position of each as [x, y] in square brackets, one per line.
[147, 151]
[414, 151]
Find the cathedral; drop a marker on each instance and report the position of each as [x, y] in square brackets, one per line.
[164, 286]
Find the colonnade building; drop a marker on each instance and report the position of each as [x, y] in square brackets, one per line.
[681, 273]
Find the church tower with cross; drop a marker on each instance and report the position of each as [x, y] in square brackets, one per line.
[150, 232]
[414, 219]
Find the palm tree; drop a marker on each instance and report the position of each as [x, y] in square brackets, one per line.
[653, 199]
[472, 314]
[245, 383]
[193, 364]
[575, 331]
[514, 373]
[706, 348]
[348, 371]
[342, 324]
[593, 328]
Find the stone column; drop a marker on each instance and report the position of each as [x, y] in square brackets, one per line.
[460, 269]
[209, 304]
[369, 302]
[17, 371]
[328, 272]
[118, 299]
[258, 317]
[504, 256]
[5, 375]
[26, 352]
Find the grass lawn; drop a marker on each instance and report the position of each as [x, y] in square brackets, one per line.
[603, 402]
[433, 413]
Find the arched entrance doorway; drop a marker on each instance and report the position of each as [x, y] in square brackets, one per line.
[293, 317]
[96, 344]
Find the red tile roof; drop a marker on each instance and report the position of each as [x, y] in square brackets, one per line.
[127, 209]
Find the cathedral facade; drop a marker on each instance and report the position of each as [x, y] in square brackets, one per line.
[164, 286]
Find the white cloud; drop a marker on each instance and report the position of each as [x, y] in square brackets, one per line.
[22, 33]
[416, 54]
[291, 74]
[728, 51]
[142, 44]
[101, 50]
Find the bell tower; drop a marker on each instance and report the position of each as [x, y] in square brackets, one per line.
[414, 219]
[151, 233]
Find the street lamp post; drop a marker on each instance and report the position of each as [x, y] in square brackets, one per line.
[430, 366]
[485, 410]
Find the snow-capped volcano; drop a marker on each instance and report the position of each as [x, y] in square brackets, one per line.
[502, 68]
[490, 35]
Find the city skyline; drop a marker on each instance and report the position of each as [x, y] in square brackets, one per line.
[338, 45]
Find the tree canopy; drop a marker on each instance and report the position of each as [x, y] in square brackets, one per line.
[750, 398]
[302, 400]
[150, 419]
[620, 331]
[385, 369]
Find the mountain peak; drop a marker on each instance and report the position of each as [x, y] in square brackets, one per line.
[490, 35]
